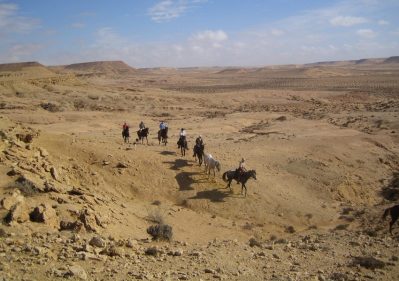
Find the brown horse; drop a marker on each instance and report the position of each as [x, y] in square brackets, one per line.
[394, 213]
[163, 136]
[231, 175]
[182, 144]
[143, 134]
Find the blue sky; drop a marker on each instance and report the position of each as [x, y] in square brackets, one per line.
[184, 33]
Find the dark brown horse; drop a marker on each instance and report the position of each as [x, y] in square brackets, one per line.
[126, 134]
[182, 144]
[143, 134]
[231, 175]
[199, 152]
[163, 136]
[394, 213]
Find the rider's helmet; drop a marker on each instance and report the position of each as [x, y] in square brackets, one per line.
[243, 160]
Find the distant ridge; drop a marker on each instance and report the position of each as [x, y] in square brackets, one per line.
[18, 66]
[101, 67]
[394, 59]
[24, 70]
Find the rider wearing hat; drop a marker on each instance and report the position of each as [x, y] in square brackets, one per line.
[241, 169]
[198, 143]
[182, 137]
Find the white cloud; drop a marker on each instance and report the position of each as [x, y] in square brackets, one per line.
[277, 32]
[167, 10]
[208, 39]
[347, 20]
[306, 37]
[366, 33]
[11, 22]
[383, 22]
[210, 35]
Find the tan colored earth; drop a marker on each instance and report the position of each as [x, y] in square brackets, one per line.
[77, 201]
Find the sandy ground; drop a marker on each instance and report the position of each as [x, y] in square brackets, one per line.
[323, 142]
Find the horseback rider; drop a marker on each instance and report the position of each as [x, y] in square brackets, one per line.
[141, 126]
[240, 170]
[125, 131]
[198, 143]
[182, 137]
[162, 125]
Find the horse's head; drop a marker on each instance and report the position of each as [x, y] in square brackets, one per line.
[217, 164]
[253, 174]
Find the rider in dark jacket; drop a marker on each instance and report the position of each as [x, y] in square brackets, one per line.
[240, 170]
[198, 143]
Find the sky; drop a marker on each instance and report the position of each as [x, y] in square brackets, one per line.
[189, 33]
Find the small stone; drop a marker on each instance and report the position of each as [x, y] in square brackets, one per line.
[122, 165]
[54, 173]
[131, 243]
[43, 152]
[14, 199]
[152, 251]
[97, 241]
[46, 214]
[76, 271]
[178, 253]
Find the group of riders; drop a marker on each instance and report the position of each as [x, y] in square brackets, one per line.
[199, 143]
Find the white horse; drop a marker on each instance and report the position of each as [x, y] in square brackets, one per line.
[211, 164]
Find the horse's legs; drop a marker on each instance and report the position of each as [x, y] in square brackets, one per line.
[393, 220]
[242, 189]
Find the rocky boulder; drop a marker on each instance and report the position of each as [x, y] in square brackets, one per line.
[46, 214]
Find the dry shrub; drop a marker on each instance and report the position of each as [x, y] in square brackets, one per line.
[52, 107]
[79, 104]
[254, 242]
[290, 229]
[368, 262]
[160, 232]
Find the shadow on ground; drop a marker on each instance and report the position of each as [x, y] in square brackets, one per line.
[178, 163]
[391, 190]
[185, 180]
[167, 152]
[214, 195]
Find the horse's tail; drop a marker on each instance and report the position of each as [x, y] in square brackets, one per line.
[225, 176]
[386, 213]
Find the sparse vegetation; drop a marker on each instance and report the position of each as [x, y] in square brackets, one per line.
[160, 232]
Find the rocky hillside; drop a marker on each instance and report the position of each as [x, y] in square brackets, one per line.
[101, 68]
[24, 70]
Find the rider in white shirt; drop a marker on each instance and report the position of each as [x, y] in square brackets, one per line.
[182, 133]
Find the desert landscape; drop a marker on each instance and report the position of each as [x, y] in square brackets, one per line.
[77, 201]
